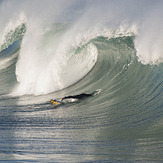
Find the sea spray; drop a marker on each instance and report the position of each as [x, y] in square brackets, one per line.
[41, 62]
[79, 49]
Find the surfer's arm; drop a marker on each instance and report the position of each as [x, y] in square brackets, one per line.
[68, 97]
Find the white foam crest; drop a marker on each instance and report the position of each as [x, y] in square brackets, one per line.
[149, 45]
[149, 41]
[80, 35]
[11, 26]
[35, 71]
[145, 17]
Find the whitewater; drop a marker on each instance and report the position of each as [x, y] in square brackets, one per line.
[50, 49]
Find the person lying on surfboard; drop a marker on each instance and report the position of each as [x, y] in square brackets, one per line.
[73, 98]
[81, 96]
[77, 97]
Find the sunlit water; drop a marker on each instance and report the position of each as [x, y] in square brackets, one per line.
[123, 123]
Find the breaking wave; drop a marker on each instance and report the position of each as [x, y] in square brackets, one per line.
[50, 49]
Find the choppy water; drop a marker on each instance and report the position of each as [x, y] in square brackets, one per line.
[41, 62]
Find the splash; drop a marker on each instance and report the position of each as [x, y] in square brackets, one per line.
[13, 31]
[149, 39]
[57, 42]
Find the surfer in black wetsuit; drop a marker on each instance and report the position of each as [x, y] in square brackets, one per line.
[78, 97]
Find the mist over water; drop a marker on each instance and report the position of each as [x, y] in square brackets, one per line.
[50, 49]
[88, 19]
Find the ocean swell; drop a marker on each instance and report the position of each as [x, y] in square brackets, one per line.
[54, 54]
[51, 49]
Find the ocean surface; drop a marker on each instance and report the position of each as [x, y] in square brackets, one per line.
[50, 49]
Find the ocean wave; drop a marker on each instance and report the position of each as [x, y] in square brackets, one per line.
[51, 49]
[58, 59]
[49, 57]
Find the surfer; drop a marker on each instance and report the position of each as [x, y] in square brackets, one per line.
[78, 97]
[73, 98]
[81, 96]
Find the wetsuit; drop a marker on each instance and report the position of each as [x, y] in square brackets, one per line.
[80, 96]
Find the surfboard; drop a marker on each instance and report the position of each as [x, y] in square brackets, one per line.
[55, 103]
[58, 102]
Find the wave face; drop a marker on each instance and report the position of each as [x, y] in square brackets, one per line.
[49, 49]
